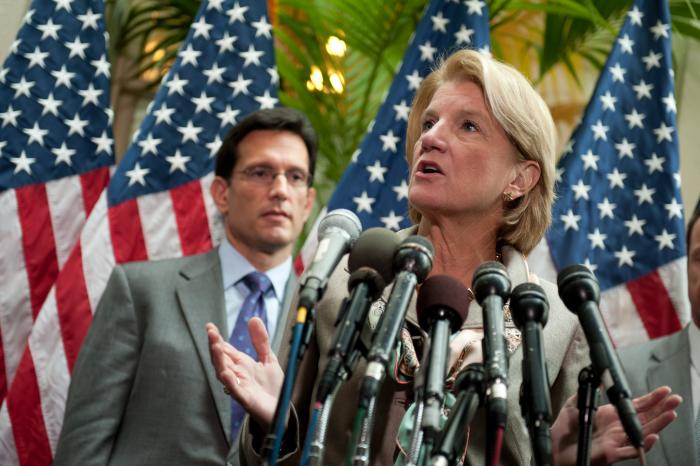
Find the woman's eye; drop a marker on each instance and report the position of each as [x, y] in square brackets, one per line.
[470, 126]
[427, 125]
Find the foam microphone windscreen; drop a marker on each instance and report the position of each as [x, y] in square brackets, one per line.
[440, 297]
[343, 220]
[375, 249]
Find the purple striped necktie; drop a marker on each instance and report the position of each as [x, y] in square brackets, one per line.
[253, 306]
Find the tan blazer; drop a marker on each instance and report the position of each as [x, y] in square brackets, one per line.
[566, 352]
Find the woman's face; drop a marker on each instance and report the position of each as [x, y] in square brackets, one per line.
[463, 160]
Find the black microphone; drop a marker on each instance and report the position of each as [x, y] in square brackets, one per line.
[412, 263]
[370, 270]
[579, 290]
[470, 384]
[529, 308]
[337, 232]
[442, 306]
[491, 287]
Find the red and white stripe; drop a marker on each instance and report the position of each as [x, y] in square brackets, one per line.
[179, 222]
[40, 225]
[648, 307]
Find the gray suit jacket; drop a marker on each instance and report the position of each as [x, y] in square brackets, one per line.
[665, 361]
[144, 391]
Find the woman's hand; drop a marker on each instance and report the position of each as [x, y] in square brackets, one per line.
[255, 384]
[609, 443]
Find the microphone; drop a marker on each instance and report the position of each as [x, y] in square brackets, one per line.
[370, 270]
[579, 290]
[491, 287]
[442, 306]
[413, 261]
[337, 233]
[529, 308]
[470, 384]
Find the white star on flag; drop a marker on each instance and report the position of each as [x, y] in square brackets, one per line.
[251, 56]
[23, 163]
[439, 22]
[266, 100]
[149, 145]
[665, 239]
[364, 202]
[63, 154]
[392, 221]
[606, 209]
[177, 161]
[581, 190]
[190, 132]
[634, 226]
[624, 257]
[597, 239]
[376, 172]
[644, 194]
[138, 175]
[389, 141]
[570, 220]
[401, 190]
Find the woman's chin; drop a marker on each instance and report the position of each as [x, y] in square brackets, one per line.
[425, 201]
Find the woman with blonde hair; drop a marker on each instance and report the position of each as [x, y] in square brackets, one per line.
[481, 152]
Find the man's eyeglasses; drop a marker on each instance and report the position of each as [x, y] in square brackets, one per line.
[263, 175]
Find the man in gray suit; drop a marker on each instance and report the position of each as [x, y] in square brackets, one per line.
[674, 360]
[144, 391]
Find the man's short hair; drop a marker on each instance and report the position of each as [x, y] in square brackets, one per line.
[280, 119]
[691, 223]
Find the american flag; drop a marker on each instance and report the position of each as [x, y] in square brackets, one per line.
[155, 206]
[375, 184]
[619, 209]
[55, 151]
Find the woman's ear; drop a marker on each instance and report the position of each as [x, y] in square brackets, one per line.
[526, 177]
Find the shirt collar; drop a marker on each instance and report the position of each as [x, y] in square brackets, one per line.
[234, 267]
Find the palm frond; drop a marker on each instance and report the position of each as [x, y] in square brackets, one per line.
[553, 32]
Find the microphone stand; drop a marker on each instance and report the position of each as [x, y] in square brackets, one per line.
[312, 453]
[450, 447]
[588, 383]
[361, 435]
[416, 441]
[301, 335]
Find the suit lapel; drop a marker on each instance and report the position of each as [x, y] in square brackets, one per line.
[201, 298]
[671, 366]
[289, 292]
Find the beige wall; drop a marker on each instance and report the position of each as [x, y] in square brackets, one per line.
[10, 19]
[688, 99]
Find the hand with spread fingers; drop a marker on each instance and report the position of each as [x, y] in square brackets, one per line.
[255, 384]
[609, 443]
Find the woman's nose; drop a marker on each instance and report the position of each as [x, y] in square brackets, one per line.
[433, 138]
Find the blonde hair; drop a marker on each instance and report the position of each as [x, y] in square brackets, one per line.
[525, 118]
